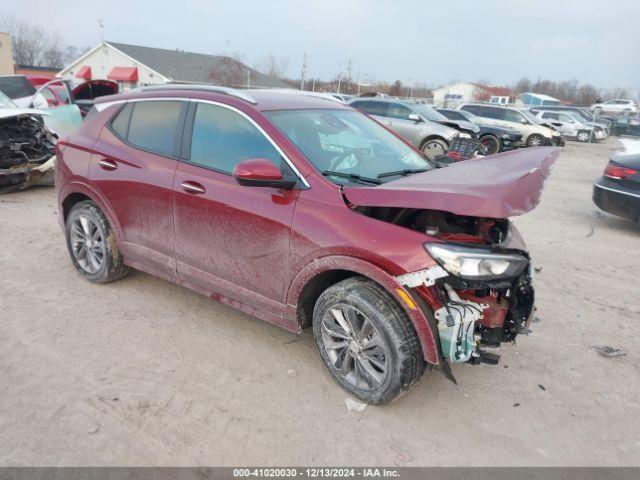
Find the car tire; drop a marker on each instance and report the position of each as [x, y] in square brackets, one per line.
[367, 341]
[583, 136]
[535, 140]
[92, 244]
[491, 144]
[434, 147]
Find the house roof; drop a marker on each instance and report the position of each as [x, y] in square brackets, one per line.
[181, 66]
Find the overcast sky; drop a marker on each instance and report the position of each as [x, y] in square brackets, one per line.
[430, 42]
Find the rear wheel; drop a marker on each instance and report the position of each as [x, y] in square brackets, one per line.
[91, 244]
[490, 143]
[535, 140]
[366, 340]
[434, 147]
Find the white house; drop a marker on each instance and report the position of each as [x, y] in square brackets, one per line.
[455, 94]
[135, 66]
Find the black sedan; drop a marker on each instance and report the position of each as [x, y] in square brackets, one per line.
[618, 190]
[493, 139]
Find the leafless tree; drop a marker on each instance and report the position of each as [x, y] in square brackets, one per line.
[228, 73]
[28, 41]
[32, 45]
[273, 66]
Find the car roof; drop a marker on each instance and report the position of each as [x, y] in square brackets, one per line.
[261, 99]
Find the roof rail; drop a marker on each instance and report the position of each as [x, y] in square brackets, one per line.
[325, 96]
[200, 87]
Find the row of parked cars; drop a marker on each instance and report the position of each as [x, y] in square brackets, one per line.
[497, 128]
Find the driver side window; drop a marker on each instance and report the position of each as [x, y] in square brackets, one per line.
[222, 138]
[397, 110]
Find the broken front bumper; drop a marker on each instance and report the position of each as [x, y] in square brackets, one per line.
[471, 317]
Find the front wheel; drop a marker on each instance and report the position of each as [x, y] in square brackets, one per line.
[92, 245]
[490, 144]
[583, 136]
[535, 140]
[366, 340]
[434, 148]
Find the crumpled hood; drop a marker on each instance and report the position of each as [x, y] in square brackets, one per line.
[498, 186]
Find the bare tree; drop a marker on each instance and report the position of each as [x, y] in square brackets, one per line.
[28, 41]
[228, 73]
[522, 85]
[273, 66]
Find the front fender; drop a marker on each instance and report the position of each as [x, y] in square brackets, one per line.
[388, 282]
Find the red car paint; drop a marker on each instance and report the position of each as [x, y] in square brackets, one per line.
[498, 186]
[258, 248]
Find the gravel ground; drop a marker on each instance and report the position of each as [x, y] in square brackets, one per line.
[143, 372]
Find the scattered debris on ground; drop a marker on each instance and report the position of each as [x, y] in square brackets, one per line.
[607, 351]
[541, 387]
[354, 405]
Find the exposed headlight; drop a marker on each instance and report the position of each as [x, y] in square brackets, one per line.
[476, 264]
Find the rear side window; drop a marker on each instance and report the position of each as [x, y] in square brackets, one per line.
[372, 108]
[223, 138]
[120, 123]
[153, 126]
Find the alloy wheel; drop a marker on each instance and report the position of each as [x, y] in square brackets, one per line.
[355, 348]
[87, 244]
[433, 149]
[583, 137]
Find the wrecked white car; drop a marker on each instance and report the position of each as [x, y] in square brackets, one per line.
[27, 147]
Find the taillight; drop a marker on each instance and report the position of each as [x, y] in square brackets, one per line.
[618, 172]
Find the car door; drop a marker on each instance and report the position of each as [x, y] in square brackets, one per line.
[232, 241]
[398, 121]
[133, 173]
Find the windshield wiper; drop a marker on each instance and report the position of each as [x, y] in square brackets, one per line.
[407, 171]
[351, 176]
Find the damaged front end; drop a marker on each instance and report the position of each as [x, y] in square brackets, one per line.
[27, 150]
[480, 290]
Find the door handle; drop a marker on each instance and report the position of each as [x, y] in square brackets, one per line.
[107, 164]
[192, 187]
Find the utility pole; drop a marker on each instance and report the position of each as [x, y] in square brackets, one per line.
[339, 81]
[349, 67]
[303, 73]
[101, 28]
[358, 83]
[248, 78]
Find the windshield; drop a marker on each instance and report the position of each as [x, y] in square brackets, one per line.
[348, 143]
[530, 116]
[471, 117]
[429, 113]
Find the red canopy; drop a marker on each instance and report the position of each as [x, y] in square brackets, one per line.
[84, 72]
[124, 74]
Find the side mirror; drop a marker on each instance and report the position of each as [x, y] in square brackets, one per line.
[524, 121]
[260, 172]
[414, 117]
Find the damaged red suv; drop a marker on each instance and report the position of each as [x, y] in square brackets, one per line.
[306, 213]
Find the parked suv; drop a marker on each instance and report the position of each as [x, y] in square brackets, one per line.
[533, 134]
[617, 105]
[570, 126]
[418, 124]
[304, 212]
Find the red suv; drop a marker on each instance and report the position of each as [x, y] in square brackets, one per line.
[305, 212]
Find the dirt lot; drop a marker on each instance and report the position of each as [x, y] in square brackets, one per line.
[143, 372]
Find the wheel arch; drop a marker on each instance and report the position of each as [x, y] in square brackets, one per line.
[321, 273]
[73, 193]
